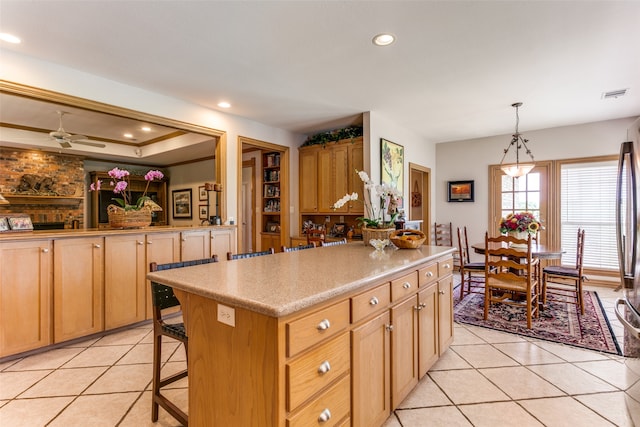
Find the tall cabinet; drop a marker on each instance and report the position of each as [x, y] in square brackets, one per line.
[271, 209]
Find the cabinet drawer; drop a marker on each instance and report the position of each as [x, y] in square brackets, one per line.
[307, 375]
[313, 328]
[328, 410]
[370, 302]
[428, 274]
[445, 267]
[404, 286]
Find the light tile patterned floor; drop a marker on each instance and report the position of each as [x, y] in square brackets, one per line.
[486, 378]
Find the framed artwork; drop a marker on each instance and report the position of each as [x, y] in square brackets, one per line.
[20, 222]
[4, 224]
[392, 164]
[460, 191]
[339, 229]
[203, 212]
[182, 203]
[202, 193]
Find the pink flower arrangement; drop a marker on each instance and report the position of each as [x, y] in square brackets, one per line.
[120, 183]
[520, 221]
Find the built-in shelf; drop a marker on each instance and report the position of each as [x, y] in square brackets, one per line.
[19, 199]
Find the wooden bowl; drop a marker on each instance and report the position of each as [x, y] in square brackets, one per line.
[407, 238]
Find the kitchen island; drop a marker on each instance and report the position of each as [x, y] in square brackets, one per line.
[328, 336]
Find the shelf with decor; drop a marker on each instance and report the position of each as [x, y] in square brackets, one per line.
[271, 209]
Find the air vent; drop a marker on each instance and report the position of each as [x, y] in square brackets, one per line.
[614, 94]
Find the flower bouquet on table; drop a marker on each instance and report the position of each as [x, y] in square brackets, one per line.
[519, 224]
[129, 213]
[380, 201]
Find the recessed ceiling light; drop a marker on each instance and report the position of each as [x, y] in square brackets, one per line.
[224, 104]
[146, 129]
[128, 135]
[10, 38]
[384, 39]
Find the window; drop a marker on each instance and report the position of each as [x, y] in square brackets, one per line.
[521, 194]
[587, 201]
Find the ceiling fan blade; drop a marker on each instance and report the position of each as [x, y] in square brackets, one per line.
[64, 143]
[73, 138]
[91, 144]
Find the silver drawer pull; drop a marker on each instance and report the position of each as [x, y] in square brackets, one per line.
[441, 292]
[374, 301]
[447, 265]
[324, 367]
[429, 274]
[406, 285]
[45, 250]
[140, 243]
[149, 242]
[324, 416]
[323, 325]
[388, 327]
[420, 306]
[96, 246]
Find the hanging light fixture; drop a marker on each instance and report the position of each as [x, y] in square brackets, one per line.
[517, 169]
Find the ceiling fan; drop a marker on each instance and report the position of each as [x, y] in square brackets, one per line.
[65, 139]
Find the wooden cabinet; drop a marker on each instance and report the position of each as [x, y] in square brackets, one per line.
[162, 248]
[195, 245]
[371, 371]
[25, 295]
[269, 240]
[327, 173]
[428, 350]
[78, 286]
[445, 313]
[223, 241]
[124, 280]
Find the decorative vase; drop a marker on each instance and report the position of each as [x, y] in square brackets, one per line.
[376, 233]
[519, 235]
[120, 218]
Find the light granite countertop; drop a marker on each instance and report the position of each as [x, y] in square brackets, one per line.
[284, 283]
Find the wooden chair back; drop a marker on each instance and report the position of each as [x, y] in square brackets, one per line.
[317, 235]
[299, 247]
[232, 256]
[443, 234]
[511, 271]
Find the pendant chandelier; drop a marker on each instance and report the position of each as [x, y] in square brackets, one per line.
[517, 169]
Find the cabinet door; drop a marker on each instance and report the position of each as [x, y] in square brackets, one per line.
[370, 367]
[326, 193]
[78, 284]
[223, 241]
[162, 248]
[25, 296]
[308, 181]
[195, 245]
[340, 174]
[124, 287]
[356, 163]
[445, 313]
[427, 328]
[404, 349]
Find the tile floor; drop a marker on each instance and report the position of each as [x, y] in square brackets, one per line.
[486, 378]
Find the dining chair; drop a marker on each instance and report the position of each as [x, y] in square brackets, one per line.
[559, 280]
[342, 241]
[232, 256]
[317, 234]
[510, 275]
[299, 247]
[443, 236]
[471, 273]
[163, 298]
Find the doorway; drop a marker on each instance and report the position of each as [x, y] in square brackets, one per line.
[248, 205]
[420, 197]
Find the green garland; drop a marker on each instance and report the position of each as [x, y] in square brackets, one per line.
[350, 132]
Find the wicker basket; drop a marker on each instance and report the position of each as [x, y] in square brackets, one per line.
[119, 218]
[375, 233]
[408, 238]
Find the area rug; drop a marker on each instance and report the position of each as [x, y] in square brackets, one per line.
[558, 322]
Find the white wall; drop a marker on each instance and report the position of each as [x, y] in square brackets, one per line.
[470, 160]
[416, 150]
[44, 75]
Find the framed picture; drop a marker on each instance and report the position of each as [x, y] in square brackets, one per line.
[4, 224]
[392, 164]
[339, 229]
[182, 203]
[202, 193]
[203, 212]
[272, 227]
[20, 222]
[460, 191]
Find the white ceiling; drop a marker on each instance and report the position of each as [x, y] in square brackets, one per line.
[453, 73]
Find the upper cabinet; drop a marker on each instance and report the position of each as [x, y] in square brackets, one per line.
[327, 173]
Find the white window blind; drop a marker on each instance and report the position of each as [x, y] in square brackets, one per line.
[588, 192]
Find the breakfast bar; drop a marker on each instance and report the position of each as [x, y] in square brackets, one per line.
[328, 336]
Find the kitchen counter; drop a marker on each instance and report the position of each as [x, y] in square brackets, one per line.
[283, 283]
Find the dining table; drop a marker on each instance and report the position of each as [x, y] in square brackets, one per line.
[537, 250]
